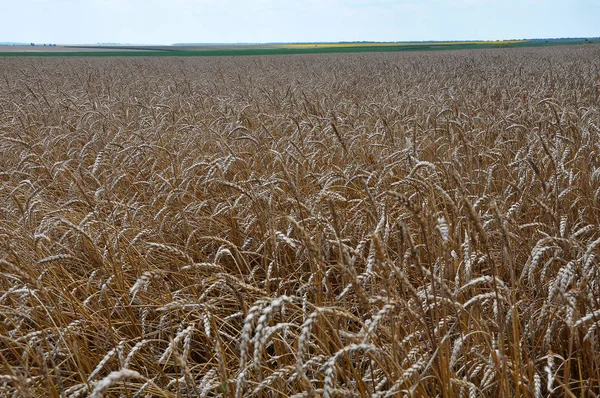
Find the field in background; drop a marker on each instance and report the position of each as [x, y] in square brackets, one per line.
[422, 224]
[276, 49]
[366, 44]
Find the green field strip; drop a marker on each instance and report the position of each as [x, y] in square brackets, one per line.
[241, 51]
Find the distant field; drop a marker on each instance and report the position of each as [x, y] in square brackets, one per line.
[406, 44]
[43, 50]
[275, 49]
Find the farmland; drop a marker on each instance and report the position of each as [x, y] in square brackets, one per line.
[374, 224]
[210, 50]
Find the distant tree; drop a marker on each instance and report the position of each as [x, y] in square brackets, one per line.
[32, 44]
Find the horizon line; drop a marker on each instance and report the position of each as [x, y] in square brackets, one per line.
[109, 44]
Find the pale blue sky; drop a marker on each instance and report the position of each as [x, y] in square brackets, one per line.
[256, 21]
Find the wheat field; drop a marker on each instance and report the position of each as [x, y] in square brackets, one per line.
[341, 225]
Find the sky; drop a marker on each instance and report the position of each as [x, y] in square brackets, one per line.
[267, 21]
